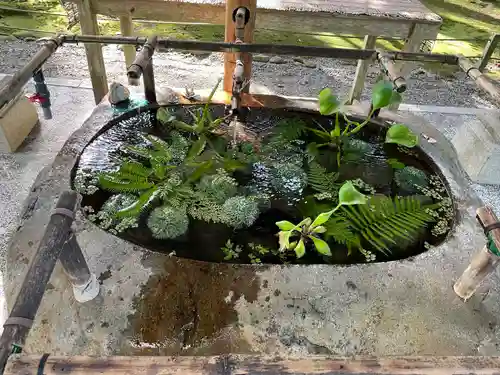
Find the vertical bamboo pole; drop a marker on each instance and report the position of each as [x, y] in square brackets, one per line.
[488, 51]
[230, 58]
[483, 262]
[95, 60]
[127, 29]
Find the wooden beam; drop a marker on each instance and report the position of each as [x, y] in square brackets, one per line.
[230, 33]
[95, 59]
[416, 36]
[277, 19]
[127, 29]
[488, 51]
[359, 79]
[245, 365]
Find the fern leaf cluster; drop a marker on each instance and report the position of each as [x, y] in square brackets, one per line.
[320, 179]
[288, 130]
[386, 222]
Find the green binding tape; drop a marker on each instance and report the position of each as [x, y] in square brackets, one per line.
[16, 349]
[491, 245]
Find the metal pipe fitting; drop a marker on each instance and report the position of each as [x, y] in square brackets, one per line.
[143, 66]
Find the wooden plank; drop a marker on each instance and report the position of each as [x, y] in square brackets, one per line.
[230, 58]
[280, 20]
[95, 59]
[488, 51]
[359, 79]
[127, 29]
[261, 365]
[418, 32]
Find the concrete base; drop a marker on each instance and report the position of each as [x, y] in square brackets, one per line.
[17, 119]
[151, 303]
[478, 148]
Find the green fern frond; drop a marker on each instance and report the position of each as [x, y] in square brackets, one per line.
[340, 230]
[139, 151]
[113, 182]
[288, 130]
[319, 179]
[134, 168]
[384, 222]
[161, 148]
[143, 203]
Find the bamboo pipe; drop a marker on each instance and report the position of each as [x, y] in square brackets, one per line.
[483, 262]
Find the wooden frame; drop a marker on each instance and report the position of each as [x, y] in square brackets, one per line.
[246, 365]
[413, 28]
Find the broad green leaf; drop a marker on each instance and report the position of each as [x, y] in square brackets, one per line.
[200, 170]
[159, 168]
[328, 103]
[321, 246]
[349, 195]
[300, 249]
[382, 94]
[197, 147]
[395, 163]
[141, 204]
[321, 219]
[396, 98]
[164, 116]
[285, 225]
[284, 239]
[319, 229]
[401, 135]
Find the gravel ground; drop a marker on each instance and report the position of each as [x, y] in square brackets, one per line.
[287, 76]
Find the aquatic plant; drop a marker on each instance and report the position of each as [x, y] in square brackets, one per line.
[321, 180]
[383, 221]
[309, 230]
[288, 180]
[106, 217]
[168, 222]
[383, 95]
[218, 187]
[240, 211]
[230, 250]
[202, 127]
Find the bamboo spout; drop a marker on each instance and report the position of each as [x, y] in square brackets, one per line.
[485, 260]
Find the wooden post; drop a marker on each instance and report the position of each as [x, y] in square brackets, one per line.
[359, 78]
[127, 29]
[483, 262]
[95, 60]
[230, 58]
[488, 51]
[413, 43]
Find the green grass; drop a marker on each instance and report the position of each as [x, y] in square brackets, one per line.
[476, 19]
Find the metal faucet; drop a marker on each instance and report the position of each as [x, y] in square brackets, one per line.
[240, 19]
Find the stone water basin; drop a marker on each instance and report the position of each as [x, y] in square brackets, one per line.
[153, 303]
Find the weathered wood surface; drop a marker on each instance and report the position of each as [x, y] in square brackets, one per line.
[261, 365]
[33, 287]
[483, 262]
[95, 60]
[361, 69]
[387, 18]
[230, 58]
[127, 29]
[488, 51]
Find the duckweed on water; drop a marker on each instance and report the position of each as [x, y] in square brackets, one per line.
[315, 189]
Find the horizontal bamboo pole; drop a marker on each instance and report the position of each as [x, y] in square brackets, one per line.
[242, 365]
[393, 71]
[483, 81]
[17, 82]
